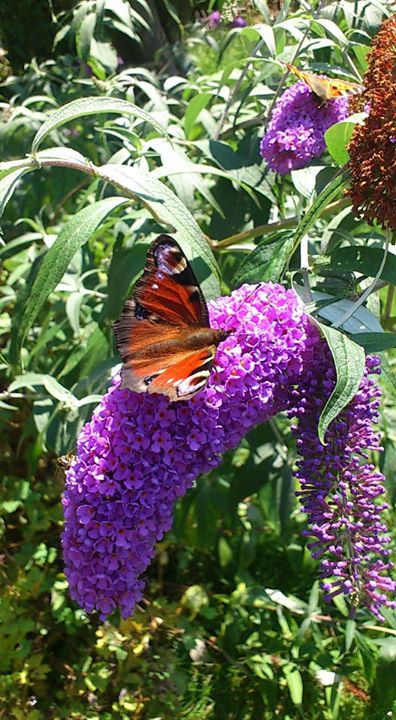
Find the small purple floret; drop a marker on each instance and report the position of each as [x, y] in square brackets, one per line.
[295, 133]
[214, 19]
[238, 22]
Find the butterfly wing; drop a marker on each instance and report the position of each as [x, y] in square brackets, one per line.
[179, 373]
[342, 87]
[324, 88]
[163, 334]
[168, 288]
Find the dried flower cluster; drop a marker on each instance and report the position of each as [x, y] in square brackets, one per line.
[373, 146]
[140, 453]
[295, 133]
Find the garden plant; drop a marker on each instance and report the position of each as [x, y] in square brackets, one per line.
[226, 552]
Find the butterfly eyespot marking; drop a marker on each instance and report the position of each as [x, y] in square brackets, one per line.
[194, 297]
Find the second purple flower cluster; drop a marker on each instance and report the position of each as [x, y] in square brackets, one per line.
[295, 133]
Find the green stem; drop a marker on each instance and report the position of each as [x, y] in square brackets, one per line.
[273, 227]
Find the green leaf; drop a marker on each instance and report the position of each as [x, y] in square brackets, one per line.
[266, 33]
[52, 386]
[267, 261]
[168, 210]
[331, 29]
[350, 631]
[8, 184]
[295, 685]
[87, 355]
[91, 106]
[328, 308]
[349, 361]
[104, 54]
[330, 192]
[64, 156]
[195, 169]
[305, 179]
[375, 341]
[14, 247]
[85, 35]
[73, 235]
[225, 552]
[192, 111]
[361, 52]
[365, 260]
[384, 686]
[338, 137]
[10, 165]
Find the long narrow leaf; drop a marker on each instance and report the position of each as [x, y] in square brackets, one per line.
[8, 184]
[52, 386]
[91, 106]
[169, 210]
[74, 234]
[349, 361]
[330, 192]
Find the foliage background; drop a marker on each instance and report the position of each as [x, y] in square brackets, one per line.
[233, 624]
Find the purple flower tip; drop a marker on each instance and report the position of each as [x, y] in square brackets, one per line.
[214, 19]
[238, 22]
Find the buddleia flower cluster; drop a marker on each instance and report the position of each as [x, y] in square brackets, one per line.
[140, 453]
[372, 149]
[295, 133]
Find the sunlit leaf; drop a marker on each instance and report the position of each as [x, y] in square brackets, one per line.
[52, 386]
[168, 210]
[91, 106]
[338, 137]
[267, 261]
[193, 109]
[73, 235]
[330, 192]
[349, 361]
[8, 184]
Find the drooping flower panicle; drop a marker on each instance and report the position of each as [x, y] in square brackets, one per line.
[140, 453]
[372, 149]
[295, 133]
[339, 488]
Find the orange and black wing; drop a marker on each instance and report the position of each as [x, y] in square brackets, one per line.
[153, 334]
[324, 88]
[179, 374]
[168, 288]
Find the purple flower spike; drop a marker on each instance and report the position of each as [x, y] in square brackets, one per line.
[140, 453]
[295, 133]
[339, 489]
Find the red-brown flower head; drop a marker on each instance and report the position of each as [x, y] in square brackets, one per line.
[373, 146]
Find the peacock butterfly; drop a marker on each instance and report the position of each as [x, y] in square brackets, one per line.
[163, 334]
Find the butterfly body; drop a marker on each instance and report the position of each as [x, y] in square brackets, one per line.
[163, 335]
[325, 88]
